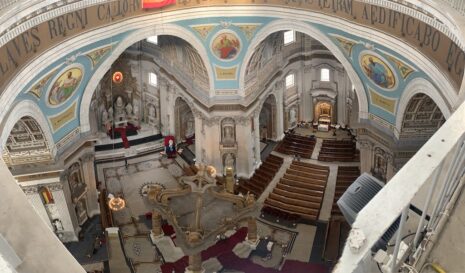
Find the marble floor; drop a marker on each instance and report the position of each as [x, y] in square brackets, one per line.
[131, 181]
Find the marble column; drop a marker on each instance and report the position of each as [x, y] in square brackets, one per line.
[256, 122]
[199, 137]
[279, 111]
[390, 169]
[366, 155]
[164, 99]
[195, 264]
[245, 162]
[88, 171]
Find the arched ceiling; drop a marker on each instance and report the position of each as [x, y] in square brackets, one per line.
[26, 144]
[206, 33]
[185, 57]
[422, 118]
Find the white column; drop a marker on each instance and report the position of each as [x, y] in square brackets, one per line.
[245, 155]
[279, 114]
[256, 122]
[164, 99]
[199, 138]
[366, 155]
[88, 171]
[210, 150]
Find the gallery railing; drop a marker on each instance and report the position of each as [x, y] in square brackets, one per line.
[431, 182]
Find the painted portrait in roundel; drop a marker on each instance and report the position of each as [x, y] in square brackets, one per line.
[226, 46]
[64, 86]
[378, 71]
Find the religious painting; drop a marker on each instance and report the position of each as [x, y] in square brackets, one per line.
[65, 86]
[404, 69]
[97, 55]
[226, 46]
[248, 30]
[39, 87]
[377, 71]
[203, 30]
[345, 44]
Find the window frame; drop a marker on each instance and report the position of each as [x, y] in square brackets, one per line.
[151, 83]
[289, 76]
[328, 79]
[293, 37]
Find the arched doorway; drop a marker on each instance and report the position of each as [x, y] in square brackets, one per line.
[267, 119]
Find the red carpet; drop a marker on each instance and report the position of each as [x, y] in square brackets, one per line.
[222, 247]
[123, 132]
[223, 252]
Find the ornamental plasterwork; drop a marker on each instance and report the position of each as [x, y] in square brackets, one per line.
[204, 30]
[35, 189]
[249, 30]
[244, 121]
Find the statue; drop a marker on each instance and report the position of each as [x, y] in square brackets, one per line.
[190, 128]
[292, 116]
[129, 109]
[120, 113]
[119, 106]
[228, 134]
[110, 113]
[106, 124]
[152, 111]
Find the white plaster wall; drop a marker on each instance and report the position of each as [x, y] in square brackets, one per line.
[36, 202]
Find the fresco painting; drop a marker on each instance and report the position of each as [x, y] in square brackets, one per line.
[377, 71]
[226, 46]
[65, 86]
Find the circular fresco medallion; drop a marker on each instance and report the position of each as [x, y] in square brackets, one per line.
[64, 86]
[226, 46]
[377, 71]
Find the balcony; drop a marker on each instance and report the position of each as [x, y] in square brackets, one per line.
[431, 181]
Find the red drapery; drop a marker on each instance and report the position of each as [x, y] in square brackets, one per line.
[156, 4]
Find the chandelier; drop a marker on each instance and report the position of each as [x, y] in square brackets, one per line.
[116, 203]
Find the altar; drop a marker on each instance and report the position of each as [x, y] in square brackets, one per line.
[324, 123]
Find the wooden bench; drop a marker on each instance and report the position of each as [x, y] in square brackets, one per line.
[302, 185]
[308, 180]
[300, 196]
[316, 193]
[308, 213]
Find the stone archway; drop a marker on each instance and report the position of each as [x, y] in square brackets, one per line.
[26, 144]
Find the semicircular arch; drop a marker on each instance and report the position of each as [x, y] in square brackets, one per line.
[22, 109]
[419, 86]
[168, 29]
[286, 24]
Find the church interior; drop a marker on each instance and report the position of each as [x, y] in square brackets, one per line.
[232, 136]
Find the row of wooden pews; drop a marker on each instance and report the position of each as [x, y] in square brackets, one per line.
[262, 176]
[345, 177]
[300, 191]
[338, 150]
[297, 145]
